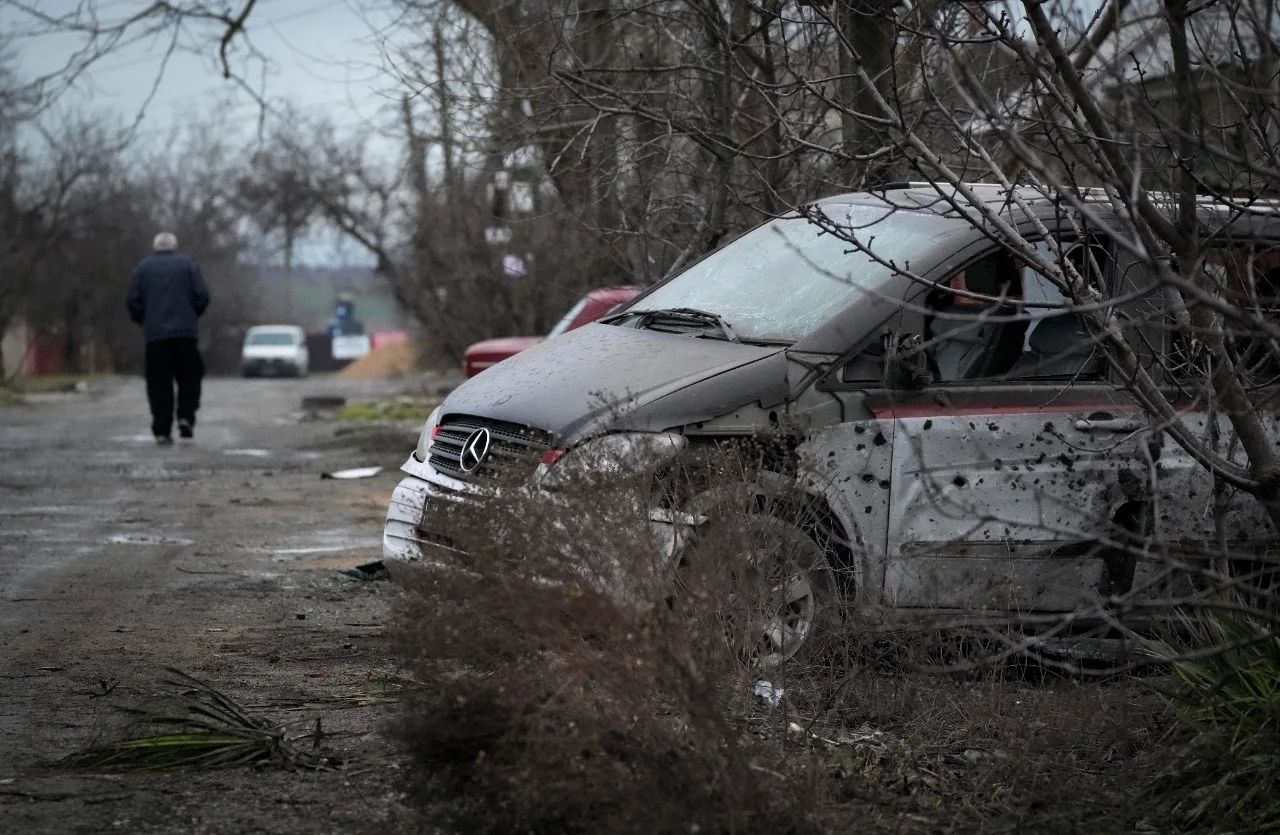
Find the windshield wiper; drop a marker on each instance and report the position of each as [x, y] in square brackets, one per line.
[680, 314]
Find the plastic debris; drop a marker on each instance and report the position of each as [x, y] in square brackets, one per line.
[316, 403]
[146, 539]
[368, 571]
[358, 472]
[767, 694]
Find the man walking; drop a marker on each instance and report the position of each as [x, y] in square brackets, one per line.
[167, 296]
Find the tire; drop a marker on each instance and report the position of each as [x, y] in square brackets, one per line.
[778, 598]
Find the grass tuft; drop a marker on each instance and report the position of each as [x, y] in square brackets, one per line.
[387, 410]
[1226, 777]
[195, 726]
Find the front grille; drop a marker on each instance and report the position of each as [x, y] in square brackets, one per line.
[511, 446]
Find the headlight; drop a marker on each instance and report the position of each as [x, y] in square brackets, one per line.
[428, 431]
[622, 455]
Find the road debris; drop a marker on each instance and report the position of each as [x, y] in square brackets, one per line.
[146, 539]
[974, 756]
[201, 728]
[767, 694]
[322, 403]
[865, 735]
[368, 571]
[358, 472]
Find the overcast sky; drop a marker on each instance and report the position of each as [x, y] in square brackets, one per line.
[320, 54]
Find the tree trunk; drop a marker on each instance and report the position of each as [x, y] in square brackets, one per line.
[444, 112]
[869, 36]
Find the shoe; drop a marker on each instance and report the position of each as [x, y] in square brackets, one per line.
[164, 440]
[186, 429]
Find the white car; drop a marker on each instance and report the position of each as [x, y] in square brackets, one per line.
[276, 350]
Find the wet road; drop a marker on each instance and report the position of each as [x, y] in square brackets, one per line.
[118, 557]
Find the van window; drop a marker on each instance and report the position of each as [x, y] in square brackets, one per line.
[1057, 344]
[1249, 277]
[1022, 332]
[968, 338]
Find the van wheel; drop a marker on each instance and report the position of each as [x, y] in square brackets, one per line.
[782, 602]
[776, 594]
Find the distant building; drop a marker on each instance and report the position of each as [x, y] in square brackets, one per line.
[308, 299]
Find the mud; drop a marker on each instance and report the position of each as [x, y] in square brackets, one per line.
[219, 557]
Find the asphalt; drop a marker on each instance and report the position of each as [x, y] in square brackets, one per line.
[221, 558]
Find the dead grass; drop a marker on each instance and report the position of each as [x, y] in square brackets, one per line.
[50, 383]
[589, 689]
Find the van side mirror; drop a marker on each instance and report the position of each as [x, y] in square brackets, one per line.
[905, 364]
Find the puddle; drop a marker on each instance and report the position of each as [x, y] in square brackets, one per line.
[134, 439]
[252, 453]
[333, 541]
[146, 539]
[346, 550]
[334, 563]
[325, 549]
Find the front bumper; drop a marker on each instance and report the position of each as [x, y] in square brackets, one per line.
[402, 536]
[271, 366]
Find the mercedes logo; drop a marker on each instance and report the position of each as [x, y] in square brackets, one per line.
[474, 451]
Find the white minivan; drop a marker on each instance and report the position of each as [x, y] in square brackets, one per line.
[279, 350]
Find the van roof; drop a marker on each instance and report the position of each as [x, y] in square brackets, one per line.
[928, 197]
[275, 328]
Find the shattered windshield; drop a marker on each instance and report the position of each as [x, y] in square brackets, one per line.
[780, 281]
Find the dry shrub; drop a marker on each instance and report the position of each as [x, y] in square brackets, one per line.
[574, 682]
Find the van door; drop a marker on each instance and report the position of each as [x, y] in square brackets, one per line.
[1010, 466]
[1201, 521]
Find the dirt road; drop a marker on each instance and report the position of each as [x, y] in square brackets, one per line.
[118, 558]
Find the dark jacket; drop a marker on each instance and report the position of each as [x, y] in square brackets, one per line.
[167, 296]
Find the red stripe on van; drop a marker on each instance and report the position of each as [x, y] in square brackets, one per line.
[915, 410]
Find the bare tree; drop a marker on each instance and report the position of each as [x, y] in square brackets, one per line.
[39, 183]
[106, 198]
[98, 29]
[277, 195]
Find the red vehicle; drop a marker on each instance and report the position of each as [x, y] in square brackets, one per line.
[589, 308]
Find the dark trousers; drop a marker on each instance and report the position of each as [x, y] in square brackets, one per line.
[169, 361]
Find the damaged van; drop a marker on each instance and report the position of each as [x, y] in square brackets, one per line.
[953, 425]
